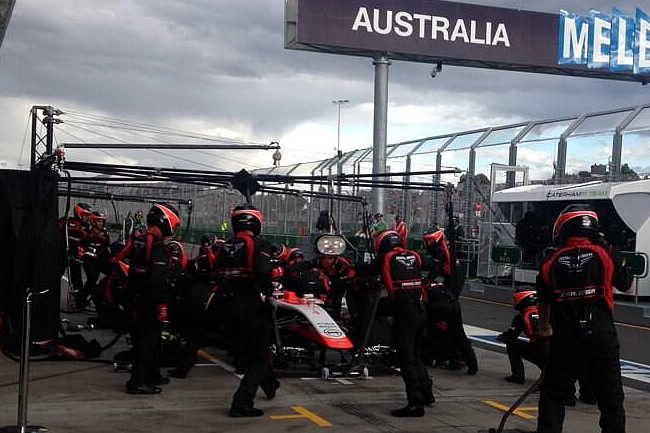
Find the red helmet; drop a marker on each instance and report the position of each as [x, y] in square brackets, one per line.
[523, 299]
[82, 209]
[246, 217]
[432, 236]
[295, 253]
[165, 217]
[387, 241]
[96, 217]
[575, 220]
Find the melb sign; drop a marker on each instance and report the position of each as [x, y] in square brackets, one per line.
[463, 34]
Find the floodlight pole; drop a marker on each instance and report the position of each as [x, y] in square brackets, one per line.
[380, 122]
[339, 168]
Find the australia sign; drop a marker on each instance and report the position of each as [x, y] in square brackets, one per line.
[462, 34]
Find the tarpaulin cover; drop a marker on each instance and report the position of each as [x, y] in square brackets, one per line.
[30, 256]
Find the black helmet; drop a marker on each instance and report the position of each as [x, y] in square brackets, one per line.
[278, 251]
[575, 220]
[116, 246]
[208, 239]
[432, 236]
[387, 241]
[96, 217]
[246, 217]
[165, 217]
[82, 209]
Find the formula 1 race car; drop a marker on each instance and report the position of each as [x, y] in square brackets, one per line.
[305, 333]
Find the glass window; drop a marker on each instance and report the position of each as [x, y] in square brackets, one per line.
[547, 130]
[464, 141]
[605, 123]
[432, 144]
[641, 121]
[501, 136]
[403, 149]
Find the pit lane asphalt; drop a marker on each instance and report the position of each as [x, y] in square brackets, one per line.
[70, 396]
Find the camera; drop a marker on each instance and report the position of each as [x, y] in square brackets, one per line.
[436, 69]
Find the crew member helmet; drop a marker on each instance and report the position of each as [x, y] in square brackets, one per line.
[432, 236]
[139, 215]
[208, 239]
[165, 217]
[96, 217]
[116, 246]
[575, 220]
[82, 209]
[278, 251]
[524, 299]
[387, 241]
[246, 217]
[295, 254]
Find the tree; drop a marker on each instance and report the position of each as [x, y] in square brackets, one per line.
[627, 173]
[479, 179]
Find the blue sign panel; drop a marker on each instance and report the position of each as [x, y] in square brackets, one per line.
[618, 43]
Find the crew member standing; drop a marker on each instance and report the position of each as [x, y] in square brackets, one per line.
[439, 264]
[150, 274]
[402, 277]
[76, 228]
[575, 289]
[243, 273]
[402, 229]
[95, 258]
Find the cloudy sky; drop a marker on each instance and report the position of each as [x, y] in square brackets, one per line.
[220, 67]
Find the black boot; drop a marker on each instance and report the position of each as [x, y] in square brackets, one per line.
[143, 388]
[472, 363]
[515, 379]
[429, 398]
[408, 412]
[177, 373]
[245, 412]
[270, 387]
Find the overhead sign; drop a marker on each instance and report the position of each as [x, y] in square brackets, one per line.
[465, 34]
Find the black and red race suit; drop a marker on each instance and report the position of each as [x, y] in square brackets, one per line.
[341, 275]
[302, 277]
[200, 268]
[439, 263]
[577, 283]
[402, 277]
[77, 230]
[243, 274]
[402, 230]
[95, 261]
[533, 350]
[150, 269]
